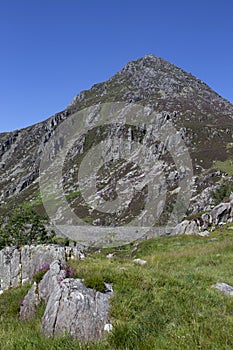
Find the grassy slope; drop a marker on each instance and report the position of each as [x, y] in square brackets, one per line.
[166, 304]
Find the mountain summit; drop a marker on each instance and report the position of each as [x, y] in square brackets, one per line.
[154, 80]
[201, 118]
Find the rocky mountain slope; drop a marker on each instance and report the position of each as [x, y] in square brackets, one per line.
[199, 117]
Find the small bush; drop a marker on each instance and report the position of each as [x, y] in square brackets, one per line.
[223, 193]
[22, 227]
[64, 242]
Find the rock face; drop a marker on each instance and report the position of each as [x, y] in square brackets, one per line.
[71, 307]
[17, 266]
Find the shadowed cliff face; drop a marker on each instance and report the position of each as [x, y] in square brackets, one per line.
[201, 118]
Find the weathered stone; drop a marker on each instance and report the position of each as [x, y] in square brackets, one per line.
[17, 266]
[50, 280]
[139, 262]
[203, 201]
[186, 227]
[75, 309]
[71, 307]
[180, 228]
[42, 290]
[218, 216]
[108, 327]
[214, 239]
[10, 268]
[207, 220]
[224, 288]
[220, 213]
[203, 233]
[192, 228]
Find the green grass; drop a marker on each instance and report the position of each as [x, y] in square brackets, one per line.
[226, 166]
[166, 304]
[73, 195]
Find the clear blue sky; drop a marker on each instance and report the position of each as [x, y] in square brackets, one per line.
[52, 49]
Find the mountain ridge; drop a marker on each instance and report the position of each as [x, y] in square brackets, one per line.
[201, 116]
[126, 67]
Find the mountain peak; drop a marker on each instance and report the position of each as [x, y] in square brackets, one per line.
[198, 114]
[155, 81]
[148, 61]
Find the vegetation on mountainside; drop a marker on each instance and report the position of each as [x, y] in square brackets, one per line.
[22, 227]
[166, 304]
[226, 166]
[223, 192]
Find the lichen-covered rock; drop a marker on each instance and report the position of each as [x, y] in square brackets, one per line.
[204, 200]
[18, 265]
[180, 228]
[192, 228]
[77, 310]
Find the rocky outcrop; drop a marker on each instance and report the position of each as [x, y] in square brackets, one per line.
[186, 227]
[18, 265]
[42, 290]
[218, 216]
[75, 309]
[71, 307]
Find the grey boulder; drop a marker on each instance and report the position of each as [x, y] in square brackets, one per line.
[74, 309]
[71, 307]
[224, 288]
